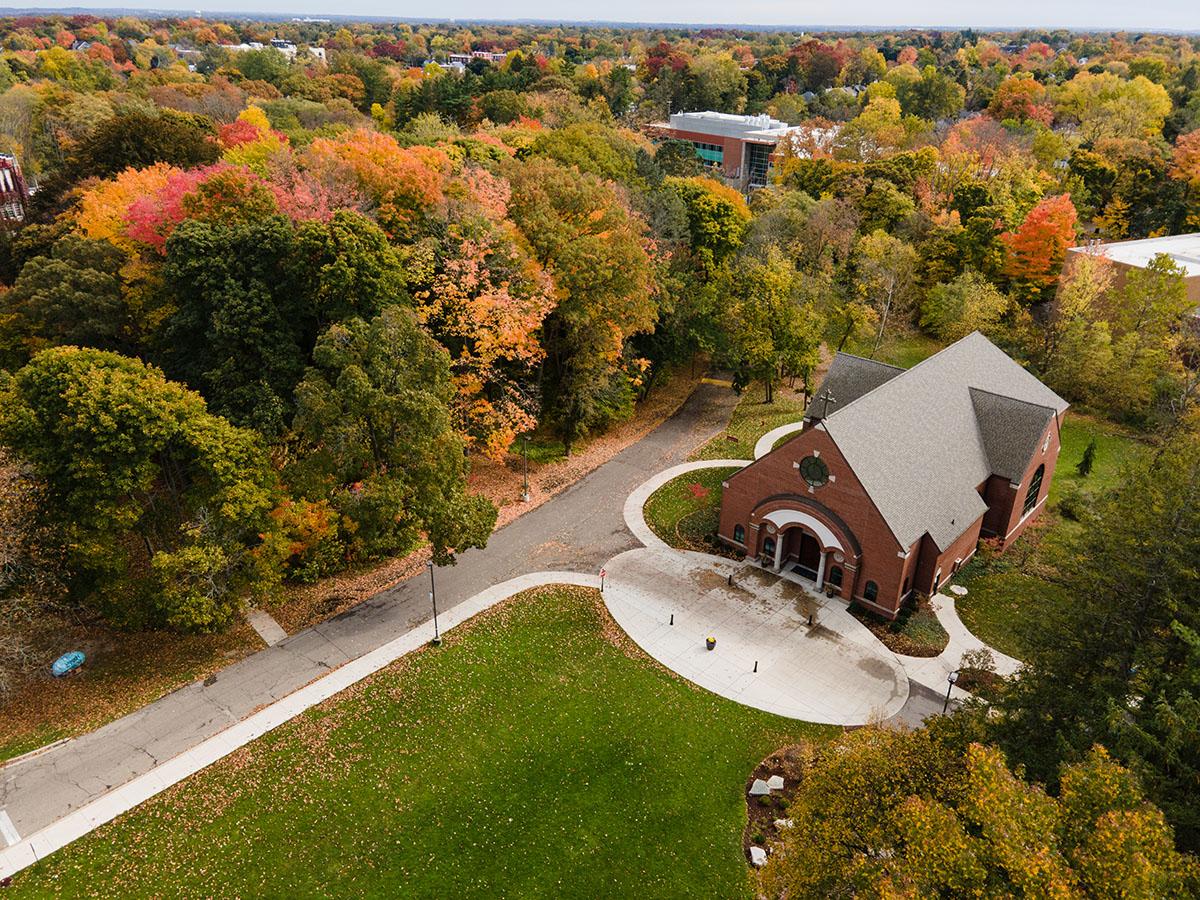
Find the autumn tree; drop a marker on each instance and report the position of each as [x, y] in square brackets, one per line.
[1185, 166]
[926, 93]
[135, 139]
[377, 440]
[968, 303]
[484, 299]
[1021, 98]
[770, 325]
[592, 246]
[1119, 663]
[1076, 353]
[1106, 106]
[885, 278]
[404, 185]
[717, 218]
[1036, 249]
[158, 505]
[908, 814]
[1145, 317]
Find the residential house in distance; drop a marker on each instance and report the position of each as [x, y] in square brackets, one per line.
[486, 55]
[898, 474]
[14, 192]
[287, 48]
[1183, 249]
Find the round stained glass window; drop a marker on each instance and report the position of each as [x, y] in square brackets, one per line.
[814, 471]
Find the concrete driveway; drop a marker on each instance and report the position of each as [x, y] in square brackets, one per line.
[832, 671]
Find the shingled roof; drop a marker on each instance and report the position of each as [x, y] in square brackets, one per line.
[923, 440]
[849, 377]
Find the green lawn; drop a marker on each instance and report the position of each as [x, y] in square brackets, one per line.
[1006, 593]
[904, 349]
[536, 754]
[686, 510]
[751, 419]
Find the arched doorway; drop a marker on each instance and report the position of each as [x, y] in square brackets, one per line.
[808, 553]
[802, 543]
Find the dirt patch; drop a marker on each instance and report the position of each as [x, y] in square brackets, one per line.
[708, 580]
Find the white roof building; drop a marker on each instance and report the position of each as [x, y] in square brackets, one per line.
[1183, 249]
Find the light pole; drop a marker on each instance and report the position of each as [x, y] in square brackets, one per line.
[951, 678]
[525, 454]
[437, 638]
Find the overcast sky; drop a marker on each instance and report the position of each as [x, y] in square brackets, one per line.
[1181, 15]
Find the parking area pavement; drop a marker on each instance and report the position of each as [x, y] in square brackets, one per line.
[769, 653]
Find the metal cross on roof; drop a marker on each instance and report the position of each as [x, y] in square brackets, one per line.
[826, 397]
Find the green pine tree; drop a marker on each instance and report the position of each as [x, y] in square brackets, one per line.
[1084, 466]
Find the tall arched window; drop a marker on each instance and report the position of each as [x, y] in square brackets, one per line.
[739, 533]
[1035, 488]
[769, 547]
[871, 591]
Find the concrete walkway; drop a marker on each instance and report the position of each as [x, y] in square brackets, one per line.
[767, 655]
[766, 443]
[576, 531]
[932, 672]
[906, 689]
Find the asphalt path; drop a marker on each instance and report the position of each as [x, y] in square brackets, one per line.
[577, 530]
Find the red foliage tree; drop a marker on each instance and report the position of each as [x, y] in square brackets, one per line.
[1035, 251]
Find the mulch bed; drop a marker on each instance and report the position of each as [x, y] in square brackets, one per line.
[762, 812]
[893, 637]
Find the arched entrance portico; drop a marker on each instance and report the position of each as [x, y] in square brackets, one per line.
[801, 536]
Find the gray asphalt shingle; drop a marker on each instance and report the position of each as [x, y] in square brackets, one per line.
[923, 440]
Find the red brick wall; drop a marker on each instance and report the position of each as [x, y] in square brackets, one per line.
[732, 147]
[844, 496]
[1013, 525]
[854, 516]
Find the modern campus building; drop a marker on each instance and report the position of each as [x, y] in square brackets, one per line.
[1183, 249]
[897, 474]
[740, 148]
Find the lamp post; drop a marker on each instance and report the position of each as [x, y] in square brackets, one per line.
[951, 678]
[525, 454]
[437, 638]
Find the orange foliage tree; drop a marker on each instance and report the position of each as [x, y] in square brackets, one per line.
[1036, 250]
[484, 300]
[405, 184]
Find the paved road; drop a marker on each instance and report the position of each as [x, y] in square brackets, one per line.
[578, 530]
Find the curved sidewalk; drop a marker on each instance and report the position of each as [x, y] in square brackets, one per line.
[933, 672]
[766, 443]
[635, 519]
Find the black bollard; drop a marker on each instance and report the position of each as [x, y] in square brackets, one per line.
[672, 618]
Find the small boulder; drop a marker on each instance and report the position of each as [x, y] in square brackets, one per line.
[784, 823]
[775, 782]
[958, 590]
[758, 856]
[759, 788]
